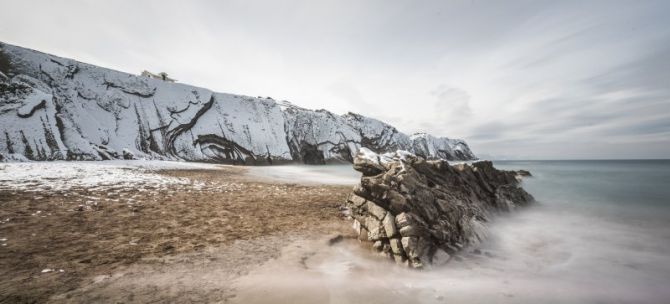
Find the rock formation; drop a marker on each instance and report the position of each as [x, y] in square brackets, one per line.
[57, 108]
[421, 212]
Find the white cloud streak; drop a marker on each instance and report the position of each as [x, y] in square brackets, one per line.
[533, 79]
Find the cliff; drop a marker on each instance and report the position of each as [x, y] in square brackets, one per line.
[54, 108]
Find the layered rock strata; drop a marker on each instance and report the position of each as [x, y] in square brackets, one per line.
[421, 212]
[57, 108]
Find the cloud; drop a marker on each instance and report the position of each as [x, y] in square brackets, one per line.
[558, 79]
[452, 105]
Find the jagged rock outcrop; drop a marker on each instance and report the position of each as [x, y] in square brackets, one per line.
[421, 212]
[57, 108]
[378, 136]
[317, 136]
[431, 147]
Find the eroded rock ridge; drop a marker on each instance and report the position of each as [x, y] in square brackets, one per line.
[421, 212]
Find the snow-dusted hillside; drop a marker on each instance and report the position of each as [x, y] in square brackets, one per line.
[55, 108]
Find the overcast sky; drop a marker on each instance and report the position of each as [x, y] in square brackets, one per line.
[516, 79]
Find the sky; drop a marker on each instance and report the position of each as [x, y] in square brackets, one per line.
[515, 79]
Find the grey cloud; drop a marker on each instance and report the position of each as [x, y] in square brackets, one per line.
[452, 105]
[491, 131]
[650, 72]
[519, 77]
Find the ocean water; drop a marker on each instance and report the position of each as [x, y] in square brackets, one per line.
[628, 188]
[599, 233]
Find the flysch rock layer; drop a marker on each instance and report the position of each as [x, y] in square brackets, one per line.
[421, 212]
[53, 108]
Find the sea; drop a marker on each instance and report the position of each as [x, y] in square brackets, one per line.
[598, 233]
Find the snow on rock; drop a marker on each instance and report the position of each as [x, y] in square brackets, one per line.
[27, 121]
[429, 146]
[238, 129]
[53, 108]
[32, 103]
[317, 136]
[377, 135]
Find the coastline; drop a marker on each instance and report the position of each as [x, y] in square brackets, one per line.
[204, 225]
[593, 237]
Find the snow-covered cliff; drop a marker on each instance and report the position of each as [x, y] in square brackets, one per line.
[56, 108]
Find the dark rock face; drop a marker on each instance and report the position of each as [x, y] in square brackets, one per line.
[421, 212]
[523, 173]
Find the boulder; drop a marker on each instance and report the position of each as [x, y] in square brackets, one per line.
[127, 154]
[420, 212]
[523, 173]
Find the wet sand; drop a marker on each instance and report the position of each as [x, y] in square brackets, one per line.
[175, 233]
[180, 242]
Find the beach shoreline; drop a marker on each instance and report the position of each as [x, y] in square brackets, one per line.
[105, 242]
[146, 231]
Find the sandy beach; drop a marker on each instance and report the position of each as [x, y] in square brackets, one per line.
[176, 232]
[179, 234]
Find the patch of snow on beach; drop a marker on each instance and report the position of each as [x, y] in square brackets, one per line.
[58, 176]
